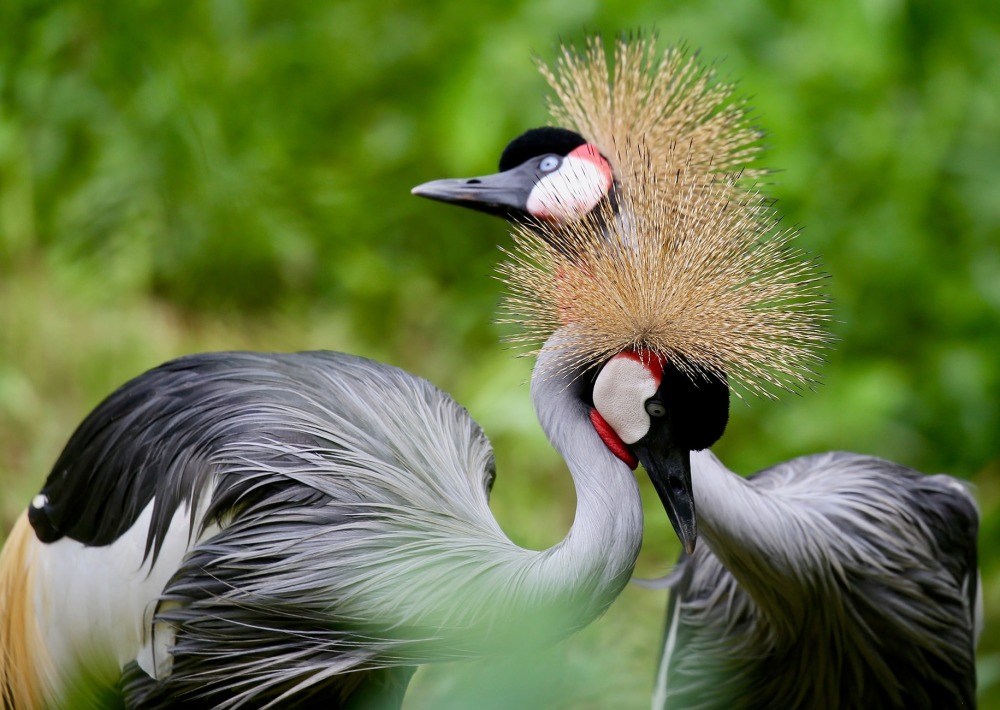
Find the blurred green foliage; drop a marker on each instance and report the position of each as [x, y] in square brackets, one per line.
[215, 175]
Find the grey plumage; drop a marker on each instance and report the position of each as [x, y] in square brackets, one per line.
[340, 512]
[828, 581]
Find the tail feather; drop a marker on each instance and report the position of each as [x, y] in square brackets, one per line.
[22, 658]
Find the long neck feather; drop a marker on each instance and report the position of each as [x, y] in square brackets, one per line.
[506, 595]
[536, 597]
[756, 536]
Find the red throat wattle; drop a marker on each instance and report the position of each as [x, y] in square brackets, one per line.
[611, 439]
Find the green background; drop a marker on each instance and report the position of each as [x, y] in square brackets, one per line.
[177, 177]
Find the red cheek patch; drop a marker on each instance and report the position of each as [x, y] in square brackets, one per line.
[611, 439]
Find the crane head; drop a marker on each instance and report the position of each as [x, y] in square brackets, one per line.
[547, 174]
[649, 411]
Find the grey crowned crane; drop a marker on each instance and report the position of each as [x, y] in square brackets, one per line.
[829, 581]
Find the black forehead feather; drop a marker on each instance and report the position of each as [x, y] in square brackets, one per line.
[539, 141]
[698, 405]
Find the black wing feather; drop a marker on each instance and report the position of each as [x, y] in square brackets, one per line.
[153, 437]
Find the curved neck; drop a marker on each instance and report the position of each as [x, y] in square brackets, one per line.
[461, 587]
[599, 552]
[532, 598]
[748, 530]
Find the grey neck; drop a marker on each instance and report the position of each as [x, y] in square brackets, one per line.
[749, 530]
[596, 558]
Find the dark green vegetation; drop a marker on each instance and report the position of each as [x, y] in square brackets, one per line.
[178, 177]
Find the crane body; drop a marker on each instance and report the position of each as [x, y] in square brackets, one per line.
[271, 530]
[832, 580]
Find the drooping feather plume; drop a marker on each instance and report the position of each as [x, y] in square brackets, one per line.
[670, 104]
[687, 260]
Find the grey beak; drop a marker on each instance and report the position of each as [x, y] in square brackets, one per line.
[504, 194]
[669, 469]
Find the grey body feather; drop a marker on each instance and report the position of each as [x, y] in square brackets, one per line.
[346, 535]
[828, 581]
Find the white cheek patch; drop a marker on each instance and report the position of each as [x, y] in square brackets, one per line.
[620, 395]
[570, 192]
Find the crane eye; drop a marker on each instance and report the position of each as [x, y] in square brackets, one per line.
[655, 409]
[549, 163]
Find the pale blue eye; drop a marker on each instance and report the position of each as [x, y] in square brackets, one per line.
[655, 409]
[549, 163]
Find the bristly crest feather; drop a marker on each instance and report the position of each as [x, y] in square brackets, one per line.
[687, 259]
[714, 287]
[671, 104]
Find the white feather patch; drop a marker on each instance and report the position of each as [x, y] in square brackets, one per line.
[570, 192]
[620, 394]
[95, 604]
